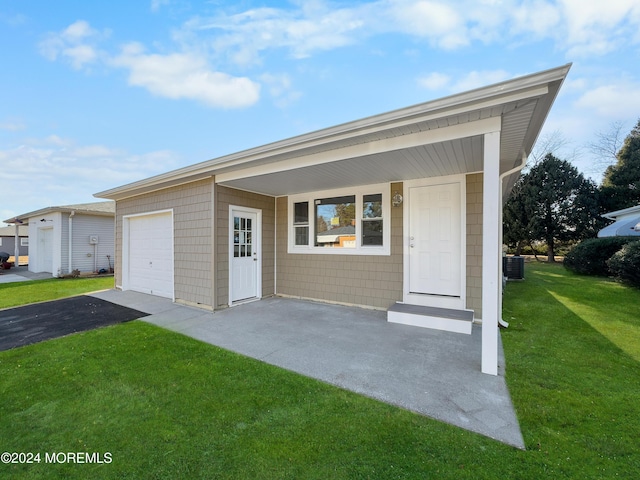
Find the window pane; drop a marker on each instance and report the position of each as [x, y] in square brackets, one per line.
[372, 232]
[236, 223]
[372, 206]
[301, 212]
[335, 222]
[302, 235]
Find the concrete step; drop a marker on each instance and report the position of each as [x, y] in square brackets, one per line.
[446, 319]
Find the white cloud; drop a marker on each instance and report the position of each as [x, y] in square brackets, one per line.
[469, 81]
[303, 31]
[12, 125]
[185, 75]
[182, 75]
[613, 101]
[78, 31]
[441, 23]
[580, 28]
[281, 89]
[434, 81]
[599, 27]
[55, 171]
[156, 4]
[76, 44]
[476, 79]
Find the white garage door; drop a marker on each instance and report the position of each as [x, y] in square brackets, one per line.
[150, 256]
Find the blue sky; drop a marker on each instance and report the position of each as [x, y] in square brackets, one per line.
[94, 95]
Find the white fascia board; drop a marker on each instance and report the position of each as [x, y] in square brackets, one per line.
[471, 129]
[621, 213]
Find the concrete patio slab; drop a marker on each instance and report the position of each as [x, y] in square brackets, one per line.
[430, 372]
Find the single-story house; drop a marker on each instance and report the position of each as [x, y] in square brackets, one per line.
[70, 237]
[626, 223]
[422, 187]
[15, 240]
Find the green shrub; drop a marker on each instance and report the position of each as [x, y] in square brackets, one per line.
[625, 264]
[590, 256]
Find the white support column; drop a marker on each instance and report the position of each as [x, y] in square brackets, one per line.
[16, 245]
[491, 252]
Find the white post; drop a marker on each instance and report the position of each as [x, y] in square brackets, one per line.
[491, 252]
[16, 245]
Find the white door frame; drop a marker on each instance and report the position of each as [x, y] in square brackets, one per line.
[257, 244]
[436, 300]
[125, 248]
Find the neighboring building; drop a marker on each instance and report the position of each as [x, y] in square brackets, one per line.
[626, 223]
[10, 239]
[422, 188]
[70, 237]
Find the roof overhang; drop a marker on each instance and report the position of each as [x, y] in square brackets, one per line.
[437, 138]
[629, 227]
[623, 213]
[103, 209]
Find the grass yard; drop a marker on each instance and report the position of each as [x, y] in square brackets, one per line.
[165, 406]
[20, 293]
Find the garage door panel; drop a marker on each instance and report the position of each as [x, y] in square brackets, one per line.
[151, 254]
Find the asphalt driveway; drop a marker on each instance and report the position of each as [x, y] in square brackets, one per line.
[43, 321]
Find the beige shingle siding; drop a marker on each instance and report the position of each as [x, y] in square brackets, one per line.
[369, 280]
[228, 196]
[191, 204]
[474, 243]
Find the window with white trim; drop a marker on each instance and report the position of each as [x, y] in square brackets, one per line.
[351, 221]
[24, 242]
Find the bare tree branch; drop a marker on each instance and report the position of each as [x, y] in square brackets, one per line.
[607, 145]
[549, 143]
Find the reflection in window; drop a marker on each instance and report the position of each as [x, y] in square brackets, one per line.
[242, 237]
[301, 223]
[372, 220]
[336, 222]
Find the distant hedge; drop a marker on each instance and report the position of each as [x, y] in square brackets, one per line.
[590, 257]
[625, 264]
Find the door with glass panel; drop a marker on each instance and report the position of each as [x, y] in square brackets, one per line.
[244, 250]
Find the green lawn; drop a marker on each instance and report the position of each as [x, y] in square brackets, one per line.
[165, 406]
[19, 293]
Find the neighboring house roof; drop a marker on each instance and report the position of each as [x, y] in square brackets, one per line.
[436, 138]
[333, 235]
[23, 231]
[623, 213]
[107, 209]
[622, 228]
[627, 223]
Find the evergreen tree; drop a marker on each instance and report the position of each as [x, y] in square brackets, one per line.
[621, 183]
[552, 202]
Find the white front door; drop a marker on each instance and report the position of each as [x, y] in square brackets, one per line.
[435, 240]
[244, 254]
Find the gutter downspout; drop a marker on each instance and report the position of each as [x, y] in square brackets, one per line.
[518, 167]
[73, 212]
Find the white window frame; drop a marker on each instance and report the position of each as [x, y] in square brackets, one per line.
[359, 192]
[24, 241]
